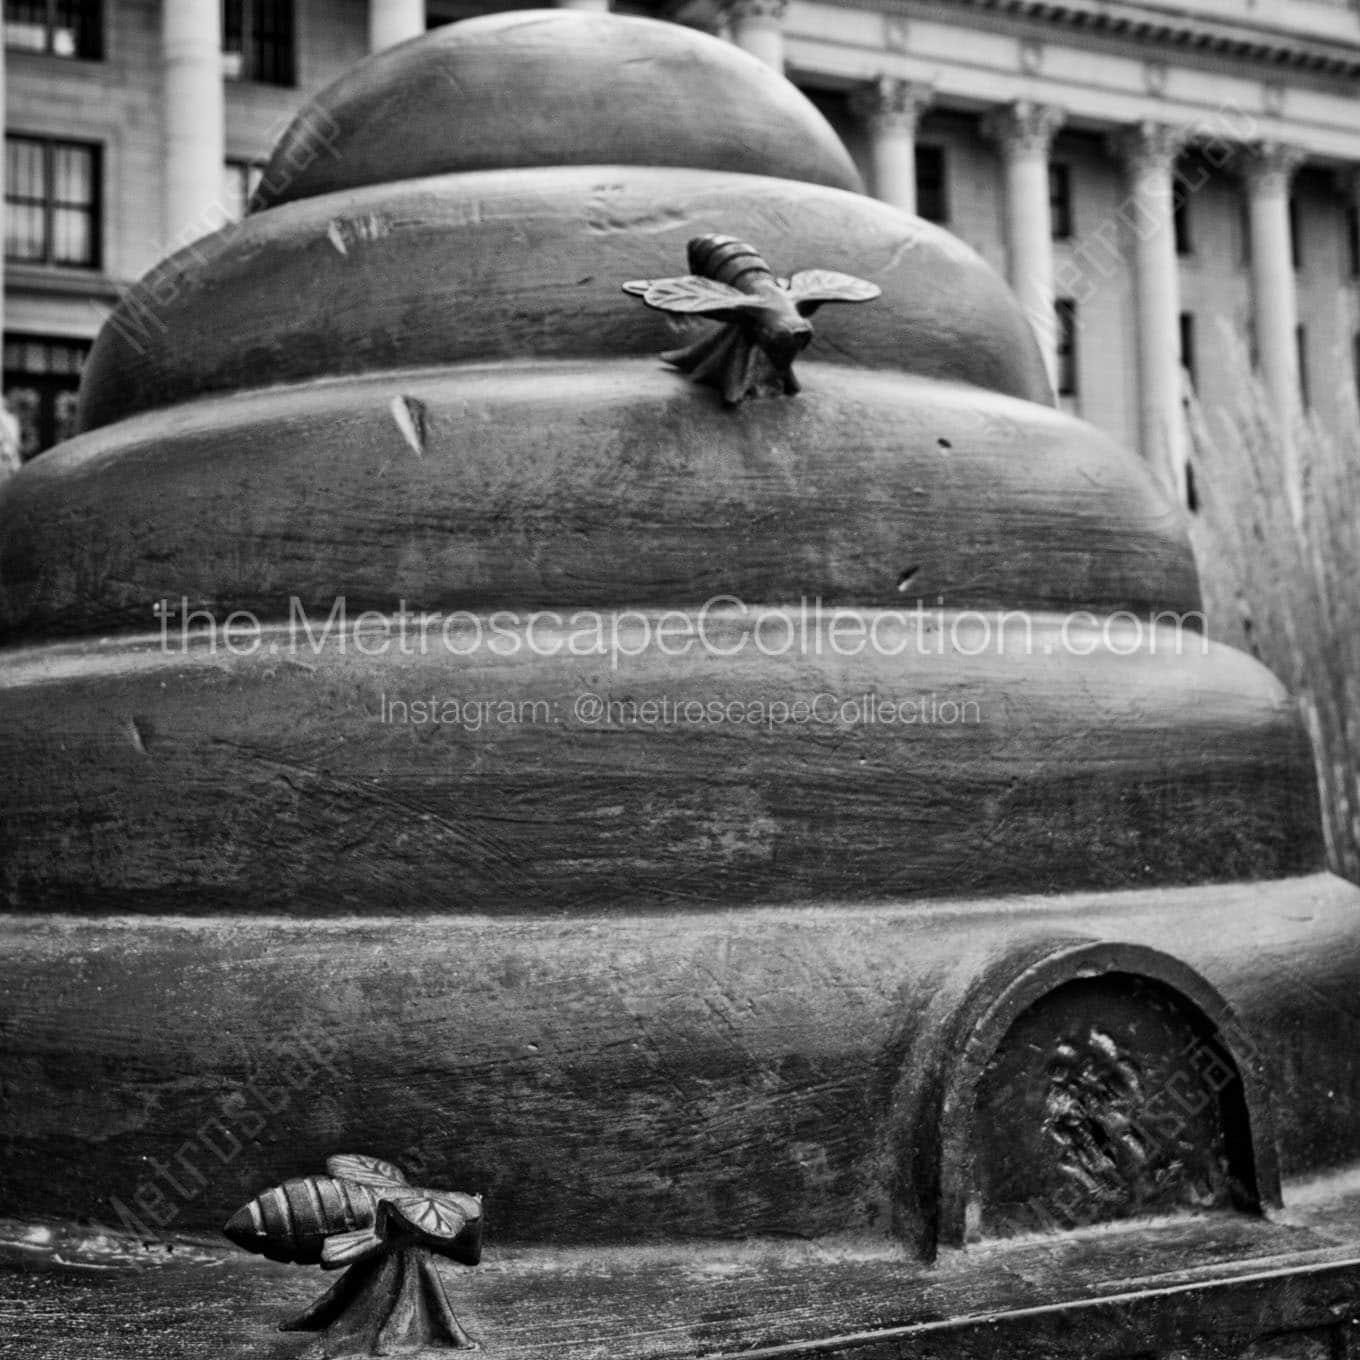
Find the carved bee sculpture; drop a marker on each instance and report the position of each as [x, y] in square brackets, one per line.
[365, 1214]
[766, 326]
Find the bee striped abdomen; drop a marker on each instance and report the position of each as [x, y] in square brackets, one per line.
[290, 1222]
[727, 260]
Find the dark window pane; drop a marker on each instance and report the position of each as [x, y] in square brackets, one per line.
[24, 169]
[233, 25]
[257, 36]
[72, 175]
[87, 21]
[1188, 345]
[1066, 314]
[1301, 344]
[26, 25]
[1060, 200]
[272, 47]
[1295, 239]
[63, 28]
[67, 357]
[72, 240]
[64, 407]
[52, 202]
[1180, 219]
[24, 232]
[41, 384]
[1353, 239]
[25, 405]
[932, 201]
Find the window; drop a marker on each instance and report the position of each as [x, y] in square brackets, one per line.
[51, 202]
[1066, 310]
[42, 377]
[1060, 200]
[1295, 235]
[240, 179]
[1301, 346]
[257, 41]
[1355, 362]
[932, 202]
[1353, 240]
[1187, 326]
[1180, 217]
[1244, 225]
[61, 28]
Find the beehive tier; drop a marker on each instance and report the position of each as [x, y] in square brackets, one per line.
[1049, 946]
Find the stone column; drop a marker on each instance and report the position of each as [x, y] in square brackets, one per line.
[891, 109]
[1149, 151]
[193, 117]
[1269, 167]
[394, 21]
[1024, 132]
[757, 27]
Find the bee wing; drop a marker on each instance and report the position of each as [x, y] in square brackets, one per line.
[693, 296]
[443, 1217]
[812, 287]
[366, 1170]
[344, 1249]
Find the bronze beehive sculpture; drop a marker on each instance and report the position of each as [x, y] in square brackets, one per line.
[763, 841]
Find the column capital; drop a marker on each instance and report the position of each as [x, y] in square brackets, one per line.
[1269, 166]
[754, 11]
[1148, 146]
[889, 104]
[1024, 127]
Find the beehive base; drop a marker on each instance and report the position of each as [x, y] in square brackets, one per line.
[1222, 1286]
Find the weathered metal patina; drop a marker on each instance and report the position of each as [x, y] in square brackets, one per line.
[799, 858]
[365, 1215]
[764, 318]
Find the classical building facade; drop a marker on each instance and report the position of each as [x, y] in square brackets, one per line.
[1161, 182]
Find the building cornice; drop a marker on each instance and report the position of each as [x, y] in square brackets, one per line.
[1171, 34]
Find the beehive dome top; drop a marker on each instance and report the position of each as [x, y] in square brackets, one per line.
[553, 87]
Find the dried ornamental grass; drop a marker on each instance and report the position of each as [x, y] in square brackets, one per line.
[1277, 535]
